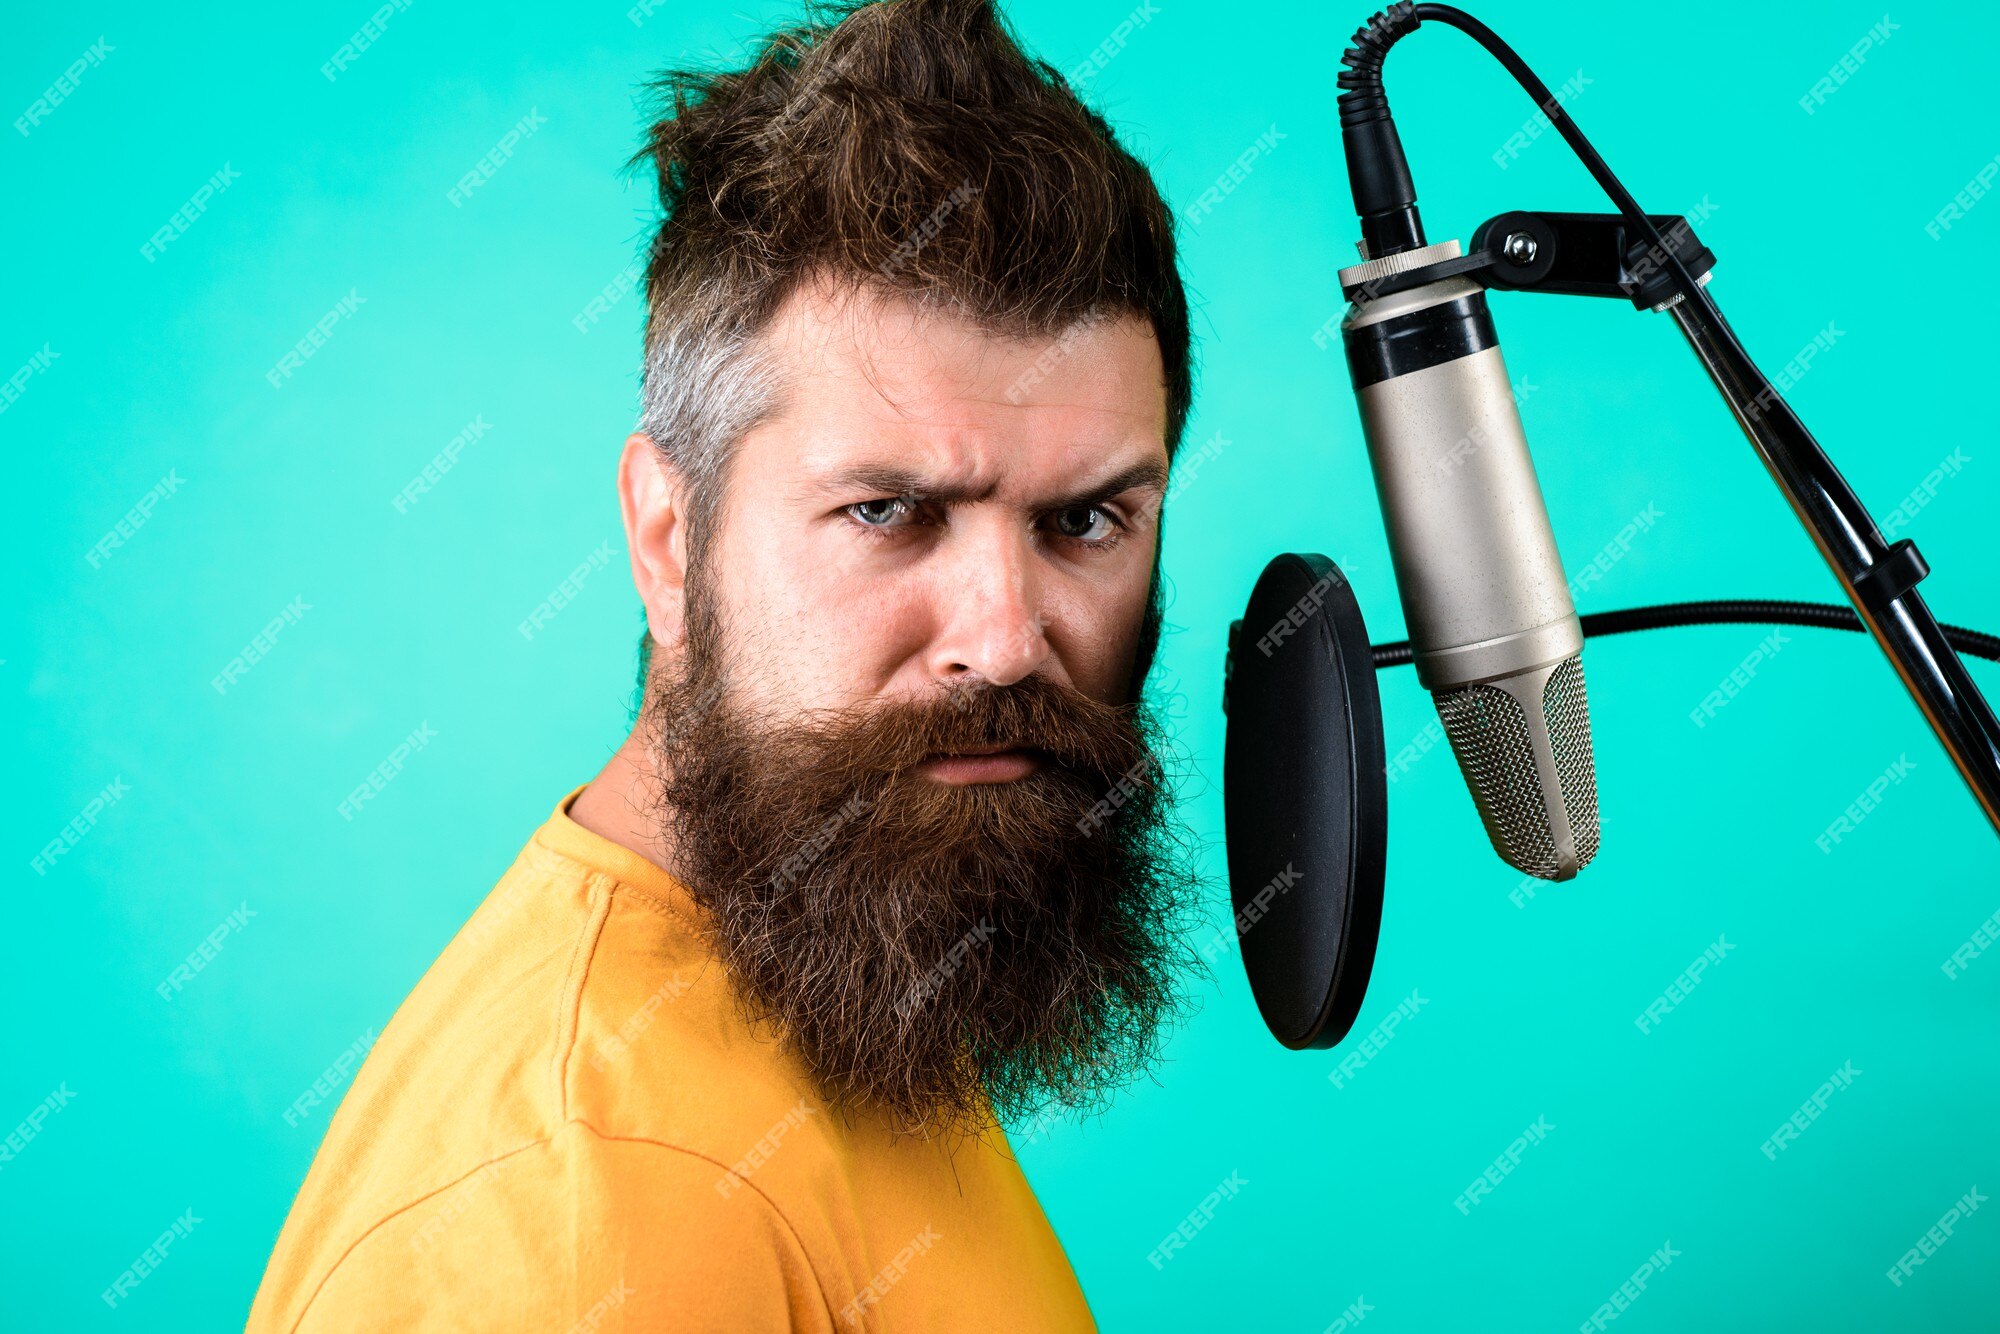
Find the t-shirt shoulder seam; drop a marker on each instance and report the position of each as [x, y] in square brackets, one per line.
[397, 1212]
[680, 1149]
[697, 1154]
[783, 1218]
[570, 1007]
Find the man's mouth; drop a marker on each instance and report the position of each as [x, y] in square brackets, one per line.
[983, 764]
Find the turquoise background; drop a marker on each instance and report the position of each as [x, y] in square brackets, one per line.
[1709, 831]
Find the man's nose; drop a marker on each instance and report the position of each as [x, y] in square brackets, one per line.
[994, 625]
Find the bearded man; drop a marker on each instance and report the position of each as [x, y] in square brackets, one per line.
[888, 858]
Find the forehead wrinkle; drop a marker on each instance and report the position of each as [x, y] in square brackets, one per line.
[952, 425]
[913, 466]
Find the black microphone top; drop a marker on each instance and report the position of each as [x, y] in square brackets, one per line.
[1385, 198]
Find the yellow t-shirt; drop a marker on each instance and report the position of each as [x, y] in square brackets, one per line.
[568, 1127]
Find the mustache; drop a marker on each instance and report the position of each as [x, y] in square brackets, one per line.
[1077, 735]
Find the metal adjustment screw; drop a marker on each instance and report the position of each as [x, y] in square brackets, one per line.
[1519, 248]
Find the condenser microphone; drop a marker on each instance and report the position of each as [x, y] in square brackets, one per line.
[1493, 633]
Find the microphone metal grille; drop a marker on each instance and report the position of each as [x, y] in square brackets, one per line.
[1534, 781]
[1568, 712]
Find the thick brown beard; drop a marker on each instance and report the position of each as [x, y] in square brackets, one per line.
[930, 948]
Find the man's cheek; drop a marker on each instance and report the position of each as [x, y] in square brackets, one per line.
[820, 630]
[1095, 630]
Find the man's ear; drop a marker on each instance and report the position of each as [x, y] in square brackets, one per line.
[652, 496]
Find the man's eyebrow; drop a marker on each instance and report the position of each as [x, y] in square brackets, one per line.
[891, 480]
[1147, 474]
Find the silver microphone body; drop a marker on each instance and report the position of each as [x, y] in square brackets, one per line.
[1494, 634]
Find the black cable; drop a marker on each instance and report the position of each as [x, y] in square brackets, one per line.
[1552, 108]
[1731, 611]
[1383, 194]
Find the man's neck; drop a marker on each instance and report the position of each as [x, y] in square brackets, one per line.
[620, 804]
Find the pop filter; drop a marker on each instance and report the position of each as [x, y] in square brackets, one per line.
[1305, 800]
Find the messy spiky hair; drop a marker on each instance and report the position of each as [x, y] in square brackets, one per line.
[910, 146]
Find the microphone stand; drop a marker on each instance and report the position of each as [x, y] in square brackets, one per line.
[1879, 579]
[1658, 264]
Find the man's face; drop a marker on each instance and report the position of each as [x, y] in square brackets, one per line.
[936, 504]
[902, 759]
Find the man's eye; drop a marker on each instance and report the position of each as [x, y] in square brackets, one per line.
[889, 512]
[1083, 523]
